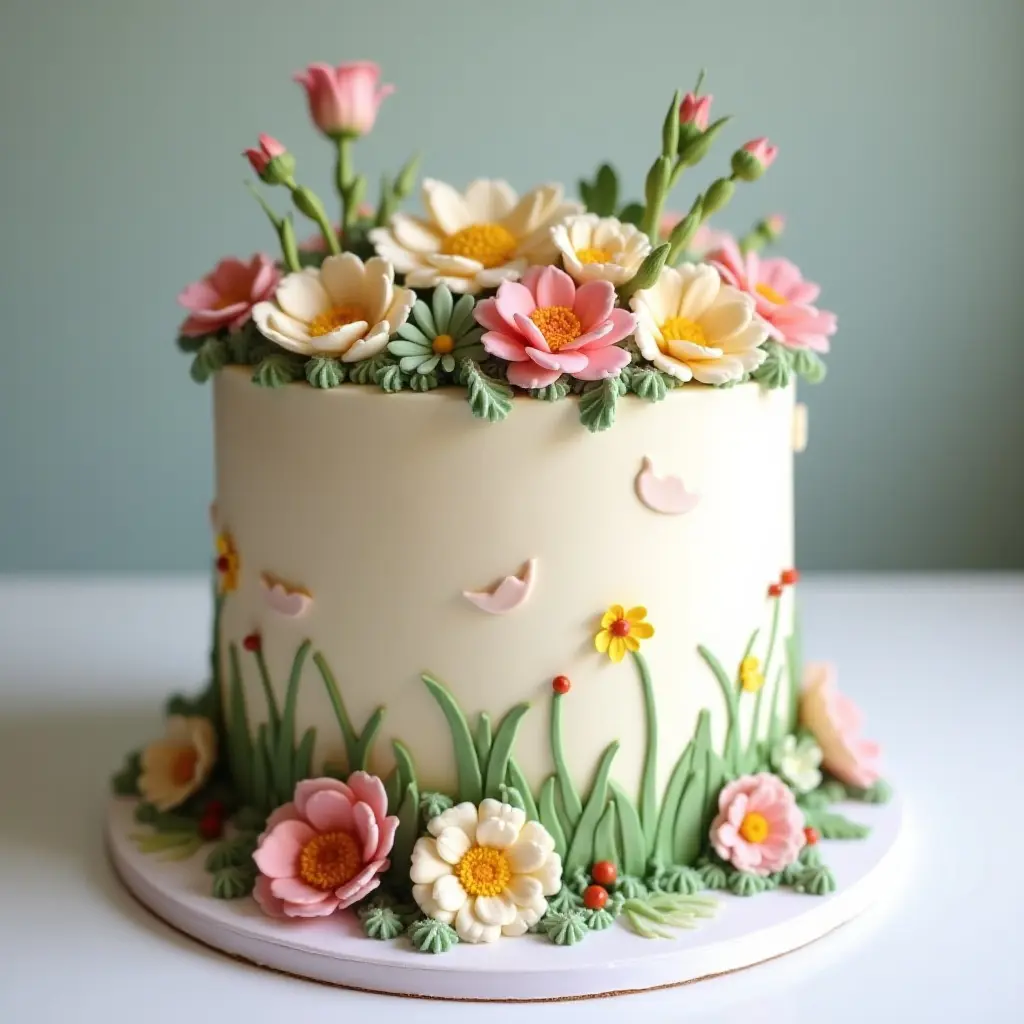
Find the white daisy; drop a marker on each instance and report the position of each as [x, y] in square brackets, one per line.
[600, 248]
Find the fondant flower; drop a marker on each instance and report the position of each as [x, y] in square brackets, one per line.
[443, 333]
[344, 100]
[223, 300]
[228, 563]
[692, 326]
[326, 849]
[486, 869]
[545, 326]
[597, 248]
[272, 162]
[343, 308]
[783, 298]
[758, 828]
[835, 722]
[695, 110]
[751, 676]
[476, 239]
[622, 631]
[798, 762]
[178, 765]
[705, 239]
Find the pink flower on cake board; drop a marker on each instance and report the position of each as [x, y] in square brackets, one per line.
[225, 297]
[326, 849]
[759, 828]
[836, 722]
[783, 298]
[344, 100]
[545, 326]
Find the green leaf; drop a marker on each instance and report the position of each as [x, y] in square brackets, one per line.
[808, 365]
[777, 370]
[482, 737]
[238, 736]
[261, 795]
[631, 833]
[665, 835]
[601, 197]
[632, 213]
[489, 399]
[572, 806]
[581, 849]
[511, 796]
[467, 765]
[646, 275]
[423, 382]
[648, 383]
[670, 128]
[325, 372]
[597, 406]
[501, 749]
[430, 936]
[383, 923]
[303, 768]
[278, 369]
[283, 767]
[211, 355]
[231, 853]
[695, 149]
[517, 779]
[391, 379]
[442, 305]
[548, 815]
[405, 836]
[404, 764]
[366, 370]
[606, 845]
[232, 883]
[832, 825]
[553, 392]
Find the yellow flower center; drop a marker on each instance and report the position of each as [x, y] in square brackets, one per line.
[754, 827]
[183, 767]
[484, 871]
[489, 244]
[682, 328]
[443, 344]
[593, 255]
[559, 325]
[335, 317]
[768, 292]
[751, 677]
[330, 860]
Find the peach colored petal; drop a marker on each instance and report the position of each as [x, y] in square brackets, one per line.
[330, 811]
[294, 890]
[305, 789]
[594, 303]
[278, 854]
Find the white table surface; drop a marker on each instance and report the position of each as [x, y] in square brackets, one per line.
[937, 662]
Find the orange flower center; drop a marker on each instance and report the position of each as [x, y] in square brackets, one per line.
[335, 317]
[443, 344]
[329, 860]
[559, 325]
[766, 291]
[592, 254]
[489, 244]
[484, 871]
[183, 767]
[754, 827]
[620, 627]
[682, 328]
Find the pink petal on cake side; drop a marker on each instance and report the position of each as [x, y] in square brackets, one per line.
[283, 598]
[665, 494]
[508, 595]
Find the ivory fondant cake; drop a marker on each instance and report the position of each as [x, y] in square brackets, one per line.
[505, 636]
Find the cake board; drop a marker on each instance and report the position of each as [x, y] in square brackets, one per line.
[744, 932]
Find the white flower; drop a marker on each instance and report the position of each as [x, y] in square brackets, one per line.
[177, 766]
[473, 240]
[345, 308]
[692, 326]
[600, 248]
[798, 761]
[486, 869]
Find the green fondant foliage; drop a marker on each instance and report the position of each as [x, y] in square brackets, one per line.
[598, 920]
[466, 761]
[648, 783]
[126, 781]
[578, 879]
[553, 392]
[571, 805]
[248, 819]
[832, 825]
[366, 370]
[489, 399]
[713, 873]
[517, 779]
[777, 369]
[405, 836]
[357, 745]
[729, 692]
[433, 804]
[233, 881]
[742, 883]
[648, 383]
[430, 936]
[565, 928]
[231, 853]
[548, 815]
[383, 923]
[632, 213]
[815, 881]
[631, 834]
[602, 195]
[808, 365]
[482, 737]
[564, 901]
[581, 847]
[325, 372]
[511, 796]
[211, 356]
[278, 369]
[651, 916]
[501, 750]
[810, 856]
[676, 878]
[630, 887]
[646, 275]
[699, 798]
[420, 382]
[597, 405]
[606, 842]
[879, 793]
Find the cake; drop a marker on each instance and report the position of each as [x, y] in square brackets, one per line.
[505, 632]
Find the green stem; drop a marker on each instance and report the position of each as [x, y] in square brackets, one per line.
[648, 794]
[773, 720]
[348, 734]
[571, 803]
[732, 740]
[268, 691]
[283, 229]
[343, 177]
[772, 636]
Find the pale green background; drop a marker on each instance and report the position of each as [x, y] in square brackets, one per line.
[899, 125]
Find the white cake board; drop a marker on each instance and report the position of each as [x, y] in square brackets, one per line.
[745, 931]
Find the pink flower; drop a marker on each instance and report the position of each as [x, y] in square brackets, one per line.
[759, 827]
[782, 296]
[344, 100]
[545, 326]
[225, 297]
[835, 722]
[775, 223]
[269, 149]
[695, 110]
[762, 151]
[325, 850]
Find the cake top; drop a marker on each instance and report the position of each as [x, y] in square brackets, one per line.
[500, 294]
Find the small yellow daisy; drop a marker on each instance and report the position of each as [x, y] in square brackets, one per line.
[751, 676]
[228, 563]
[622, 631]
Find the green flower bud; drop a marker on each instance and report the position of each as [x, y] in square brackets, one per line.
[657, 180]
[746, 166]
[670, 130]
[717, 196]
[406, 180]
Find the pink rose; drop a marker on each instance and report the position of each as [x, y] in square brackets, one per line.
[344, 100]
[759, 827]
[695, 110]
[545, 326]
[223, 300]
[835, 721]
[762, 151]
[260, 158]
[325, 850]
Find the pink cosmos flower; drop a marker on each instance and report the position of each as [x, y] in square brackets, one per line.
[225, 297]
[269, 149]
[344, 100]
[782, 296]
[324, 851]
[545, 326]
[762, 151]
[695, 110]
[759, 827]
[835, 721]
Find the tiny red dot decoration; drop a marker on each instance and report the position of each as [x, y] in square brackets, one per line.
[604, 872]
[775, 590]
[789, 577]
[252, 642]
[561, 684]
[595, 897]
[620, 627]
[211, 826]
[214, 809]
[811, 835]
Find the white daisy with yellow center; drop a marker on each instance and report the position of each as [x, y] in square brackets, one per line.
[693, 326]
[344, 308]
[485, 869]
[178, 765]
[597, 248]
[475, 239]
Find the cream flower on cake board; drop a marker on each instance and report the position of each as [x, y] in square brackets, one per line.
[485, 869]
[178, 765]
[694, 327]
[597, 248]
[475, 239]
[344, 308]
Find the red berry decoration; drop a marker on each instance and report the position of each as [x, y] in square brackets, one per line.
[775, 590]
[595, 897]
[604, 872]
[253, 642]
[811, 835]
[222, 563]
[211, 826]
[561, 684]
[789, 577]
[214, 809]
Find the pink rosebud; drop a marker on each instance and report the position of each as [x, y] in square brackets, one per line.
[775, 223]
[762, 151]
[344, 100]
[260, 158]
[695, 110]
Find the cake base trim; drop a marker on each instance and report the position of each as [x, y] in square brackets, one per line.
[335, 950]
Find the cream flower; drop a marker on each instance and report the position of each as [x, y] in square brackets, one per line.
[344, 308]
[473, 240]
[177, 766]
[692, 326]
[600, 248]
[798, 761]
[487, 870]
